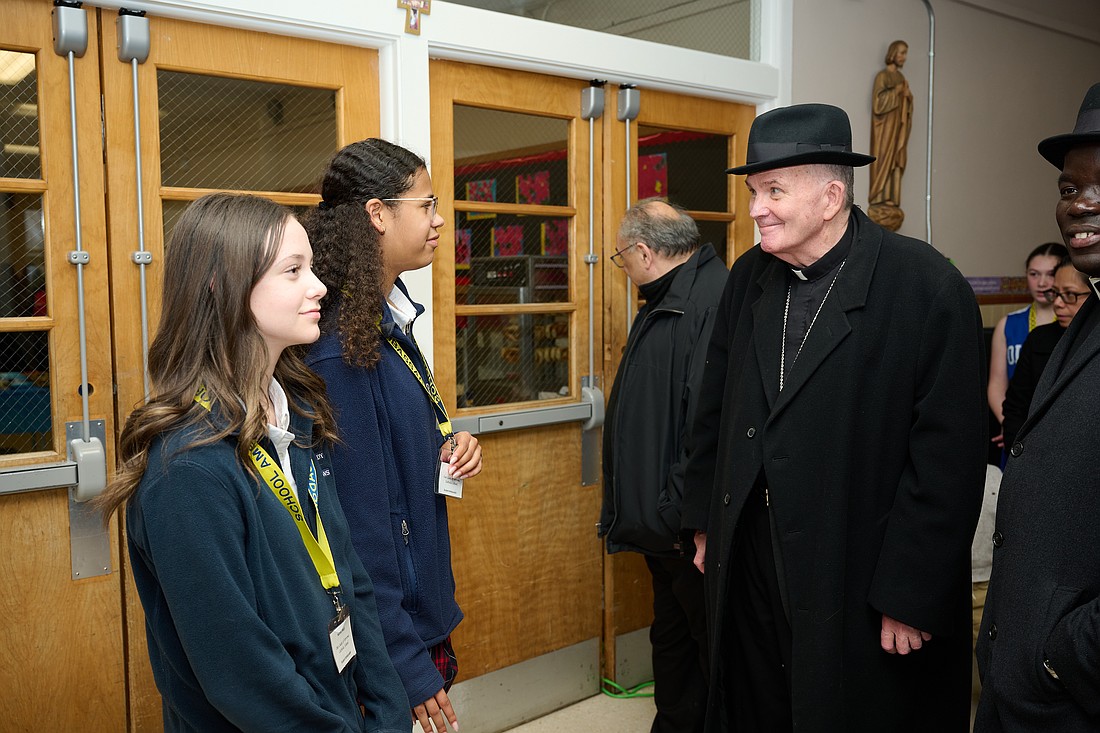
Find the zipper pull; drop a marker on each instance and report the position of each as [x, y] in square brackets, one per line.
[405, 531]
[767, 503]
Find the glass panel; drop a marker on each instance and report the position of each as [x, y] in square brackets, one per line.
[246, 135]
[170, 212]
[19, 156]
[511, 259]
[689, 168]
[512, 358]
[25, 423]
[727, 28]
[717, 233]
[510, 157]
[22, 260]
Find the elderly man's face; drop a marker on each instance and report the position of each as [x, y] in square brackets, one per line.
[1078, 210]
[788, 205]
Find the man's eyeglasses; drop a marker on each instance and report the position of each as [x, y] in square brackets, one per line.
[1068, 297]
[617, 258]
[434, 199]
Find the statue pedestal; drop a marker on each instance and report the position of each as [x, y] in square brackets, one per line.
[887, 215]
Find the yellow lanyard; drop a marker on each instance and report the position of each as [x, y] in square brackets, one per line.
[318, 547]
[429, 387]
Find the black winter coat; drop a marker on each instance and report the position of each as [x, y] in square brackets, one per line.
[652, 406]
[874, 455]
[1044, 592]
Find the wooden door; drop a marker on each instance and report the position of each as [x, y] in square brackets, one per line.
[510, 163]
[510, 155]
[219, 109]
[679, 148]
[61, 642]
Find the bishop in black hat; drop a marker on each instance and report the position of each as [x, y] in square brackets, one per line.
[838, 458]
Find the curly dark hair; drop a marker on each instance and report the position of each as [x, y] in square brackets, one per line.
[346, 250]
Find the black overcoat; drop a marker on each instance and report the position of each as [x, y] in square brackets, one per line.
[874, 455]
[1044, 592]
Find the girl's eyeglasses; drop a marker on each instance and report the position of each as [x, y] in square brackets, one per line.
[434, 199]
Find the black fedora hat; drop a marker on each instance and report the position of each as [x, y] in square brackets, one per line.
[799, 135]
[1087, 130]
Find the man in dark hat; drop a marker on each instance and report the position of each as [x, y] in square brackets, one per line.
[1039, 644]
[838, 457]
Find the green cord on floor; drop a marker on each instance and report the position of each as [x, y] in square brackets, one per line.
[612, 689]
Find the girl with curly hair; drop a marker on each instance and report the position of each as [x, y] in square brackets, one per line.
[377, 220]
[258, 612]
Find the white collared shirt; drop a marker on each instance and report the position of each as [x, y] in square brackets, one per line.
[402, 308]
[280, 436]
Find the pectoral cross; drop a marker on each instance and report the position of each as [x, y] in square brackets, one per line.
[413, 10]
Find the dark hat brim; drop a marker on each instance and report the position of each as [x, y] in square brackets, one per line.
[1054, 149]
[821, 157]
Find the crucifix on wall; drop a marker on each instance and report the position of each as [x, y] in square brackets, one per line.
[413, 10]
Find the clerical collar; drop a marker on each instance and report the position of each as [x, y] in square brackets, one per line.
[831, 259]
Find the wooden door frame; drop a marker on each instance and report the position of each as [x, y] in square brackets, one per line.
[65, 640]
[504, 629]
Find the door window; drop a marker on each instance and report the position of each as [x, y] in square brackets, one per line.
[513, 251]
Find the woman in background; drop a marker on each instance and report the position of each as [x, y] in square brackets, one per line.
[259, 614]
[1071, 289]
[1011, 331]
[399, 457]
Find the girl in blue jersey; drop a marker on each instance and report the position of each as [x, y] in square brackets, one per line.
[258, 613]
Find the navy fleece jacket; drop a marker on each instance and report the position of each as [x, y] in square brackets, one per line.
[387, 468]
[235, 614]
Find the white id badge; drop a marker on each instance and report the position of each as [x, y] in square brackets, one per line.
[339, 635]
[448, 486]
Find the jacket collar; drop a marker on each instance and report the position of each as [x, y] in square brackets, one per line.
[388, 326]
[683, 281]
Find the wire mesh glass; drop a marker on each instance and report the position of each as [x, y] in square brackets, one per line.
[19, 153]
[512, 358]
[225, 133]
[510, 157]
[25, 421]
[22, 256]
[718, 234]
[511, 259]
[686, 167]
[724, 27]
[689, 168]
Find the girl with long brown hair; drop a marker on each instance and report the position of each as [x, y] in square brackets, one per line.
[259, 615]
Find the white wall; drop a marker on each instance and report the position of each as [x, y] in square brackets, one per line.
[1002, 83]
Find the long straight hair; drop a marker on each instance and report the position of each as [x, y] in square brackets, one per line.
[220, 248]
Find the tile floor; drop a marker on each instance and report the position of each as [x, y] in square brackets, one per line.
[599, 713]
